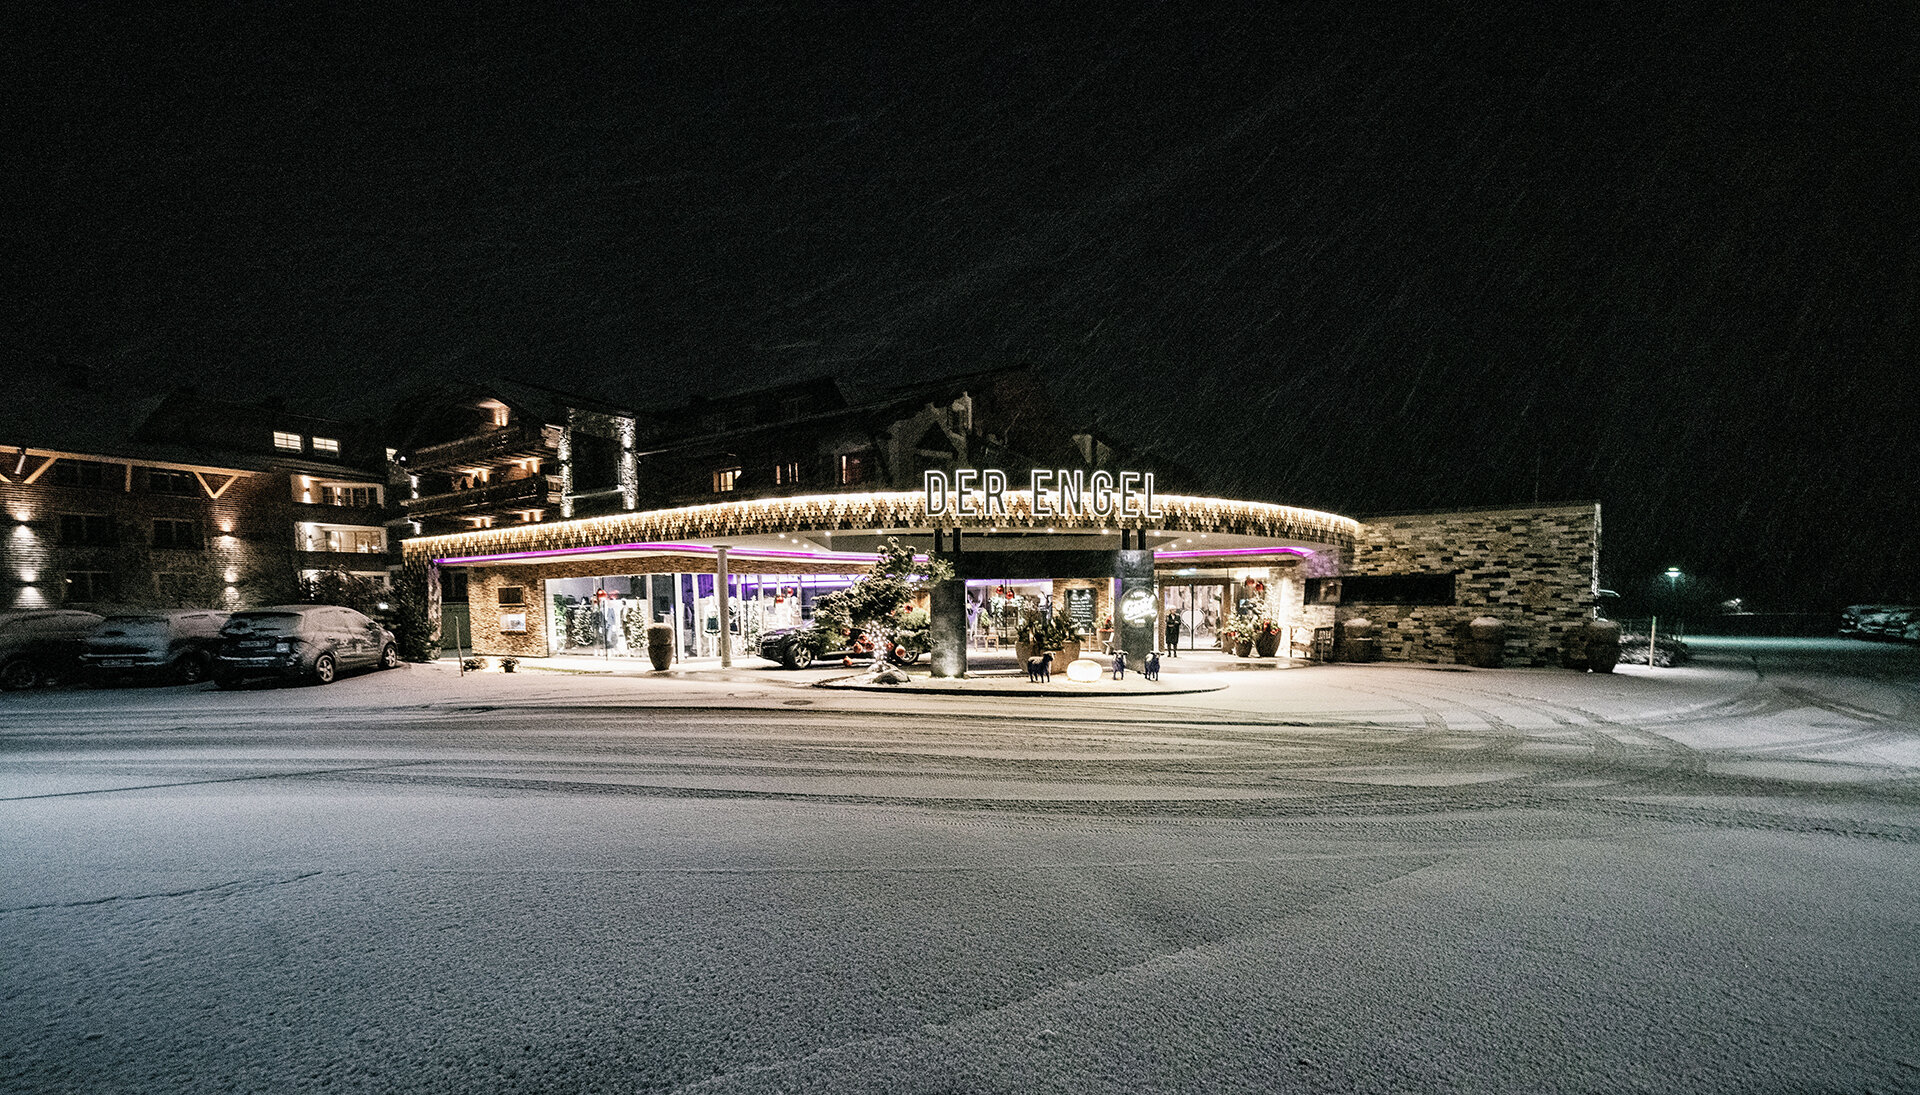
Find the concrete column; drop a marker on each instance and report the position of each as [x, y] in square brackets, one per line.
[947, 628]
[947, 616]
[1134, 617]
[724, 604]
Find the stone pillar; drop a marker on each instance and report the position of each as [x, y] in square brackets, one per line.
[947, 614]
[947, 628]
[724, 606]
[1134, 617]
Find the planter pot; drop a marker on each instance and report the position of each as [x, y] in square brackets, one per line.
[660, 645]
[1068, 653]
[1265, 645]
[1022, 652]
[1244, 648]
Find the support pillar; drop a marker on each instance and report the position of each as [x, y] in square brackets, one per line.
[1138, 609]
[724, 604]
[947, 616]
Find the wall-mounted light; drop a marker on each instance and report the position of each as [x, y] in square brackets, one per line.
[231, 577]
[29, 576]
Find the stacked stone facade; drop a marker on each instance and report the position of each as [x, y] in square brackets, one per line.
[1535, 569]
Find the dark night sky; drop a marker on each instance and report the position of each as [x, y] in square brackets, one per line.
[1404, 256]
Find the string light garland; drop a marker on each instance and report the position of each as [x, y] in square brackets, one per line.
[904, 511]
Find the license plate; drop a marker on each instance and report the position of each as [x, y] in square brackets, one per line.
[118, 663]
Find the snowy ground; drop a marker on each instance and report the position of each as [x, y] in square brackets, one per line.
[1341, 878]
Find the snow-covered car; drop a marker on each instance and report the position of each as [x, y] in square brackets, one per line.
[799, 647]
[1881, 621]
[175, 645]
[39, 645]
[300, 642]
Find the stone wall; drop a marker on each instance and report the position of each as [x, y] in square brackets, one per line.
[1535, 569]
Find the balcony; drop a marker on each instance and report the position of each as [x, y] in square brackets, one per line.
[533, 492]
[488, 449]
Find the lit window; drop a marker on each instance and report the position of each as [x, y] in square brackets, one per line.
[327, 445]
[787, 474]
[334, 494]
[724, 479]
[288, 442]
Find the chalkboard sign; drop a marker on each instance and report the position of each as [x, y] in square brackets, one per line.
[1080, 609]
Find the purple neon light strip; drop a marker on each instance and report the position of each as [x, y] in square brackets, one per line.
[1223, 553]
[685, 549]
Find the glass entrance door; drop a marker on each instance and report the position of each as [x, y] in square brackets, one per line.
[1199, 606]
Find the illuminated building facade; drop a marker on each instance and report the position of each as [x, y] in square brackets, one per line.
[111, 503]
[744, 511]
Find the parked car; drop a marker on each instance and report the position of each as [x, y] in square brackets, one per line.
[175, 645]
[300, 642]
[1882, 622]
[39, 645]
[799, 647]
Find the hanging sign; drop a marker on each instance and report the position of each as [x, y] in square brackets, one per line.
[982, 492]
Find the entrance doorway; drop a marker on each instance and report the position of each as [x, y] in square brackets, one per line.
[1200, 606]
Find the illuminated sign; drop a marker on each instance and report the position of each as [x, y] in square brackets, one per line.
[511, 622]
[1136, 607]
[982, 492]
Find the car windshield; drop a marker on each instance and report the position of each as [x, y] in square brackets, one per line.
[118, 626]
[262, 623]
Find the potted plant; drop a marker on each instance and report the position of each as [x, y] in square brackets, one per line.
[660, 645]
[1266, 638]
[1026, 636]
[1063, 637]
[1106, 630]
[1238, 637]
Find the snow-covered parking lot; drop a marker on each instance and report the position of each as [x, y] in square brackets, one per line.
[1339, 878]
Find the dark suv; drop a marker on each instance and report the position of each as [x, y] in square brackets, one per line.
[177, 646]
[798, 647]
[300, 642]
[41, 644]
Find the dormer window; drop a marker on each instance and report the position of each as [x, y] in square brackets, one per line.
[288, 442]
[724, 479]
[853, 468]
[326, 445]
